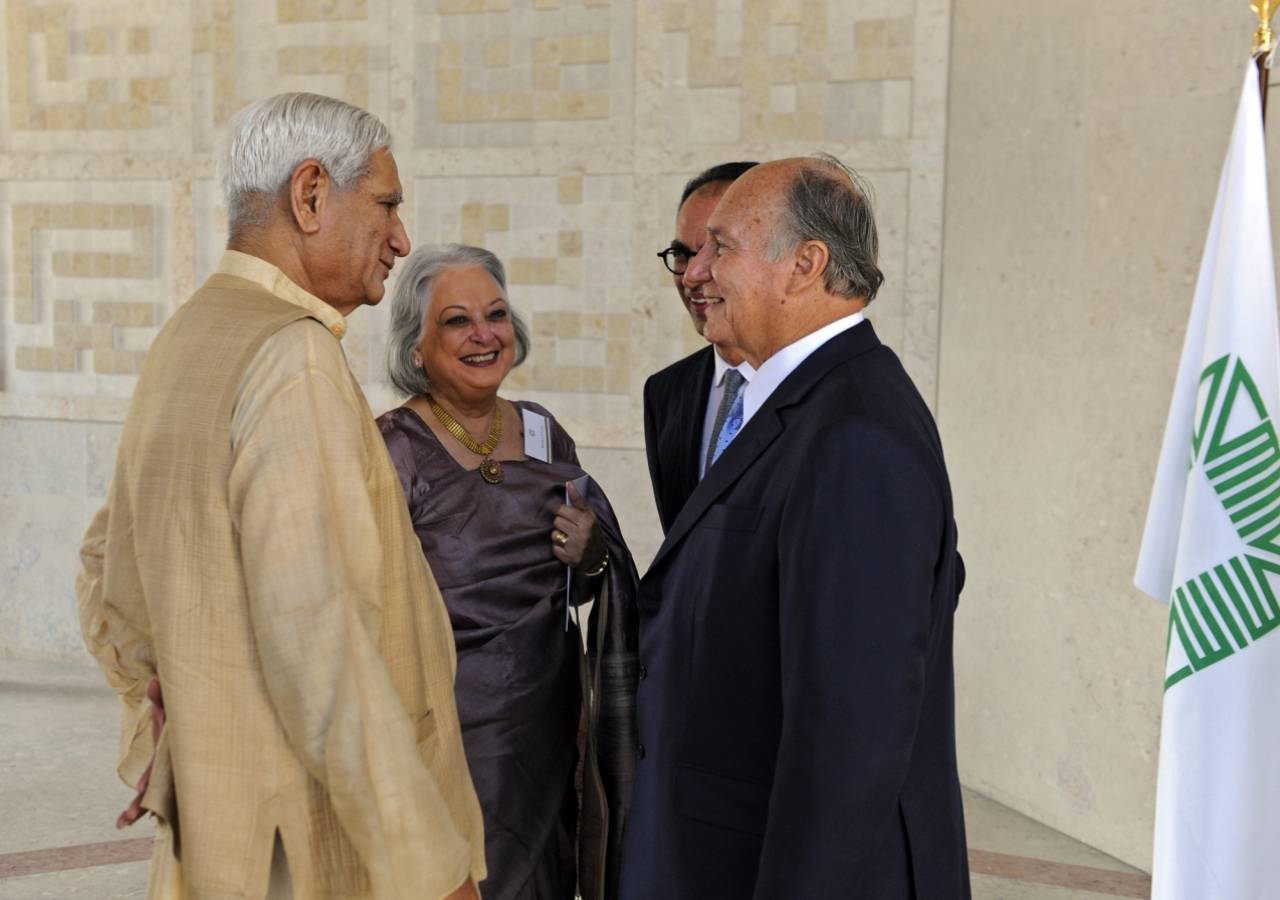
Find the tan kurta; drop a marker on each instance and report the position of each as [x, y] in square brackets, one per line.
[255, 554]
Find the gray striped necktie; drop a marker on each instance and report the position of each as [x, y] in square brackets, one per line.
[733, 382]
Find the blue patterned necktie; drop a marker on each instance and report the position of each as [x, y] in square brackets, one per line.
[729, 417]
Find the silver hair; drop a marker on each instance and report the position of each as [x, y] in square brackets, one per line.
[411, 301]
[267, 140]
[829, 202]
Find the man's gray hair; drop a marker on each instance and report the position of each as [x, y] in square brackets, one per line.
[411, 301]
[267, 140]
[829, 202]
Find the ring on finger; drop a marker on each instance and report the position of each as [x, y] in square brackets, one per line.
[559, 537]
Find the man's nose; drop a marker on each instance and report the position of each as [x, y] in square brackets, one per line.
[399, 240]
[699, 271]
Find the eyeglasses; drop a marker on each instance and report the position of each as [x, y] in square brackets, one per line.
[676, 258]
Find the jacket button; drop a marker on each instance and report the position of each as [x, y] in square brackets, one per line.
[644, 673]
[640, 751]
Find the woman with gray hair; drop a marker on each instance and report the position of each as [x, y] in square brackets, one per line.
[486, 481]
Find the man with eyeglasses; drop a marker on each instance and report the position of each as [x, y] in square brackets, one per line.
[687, 404]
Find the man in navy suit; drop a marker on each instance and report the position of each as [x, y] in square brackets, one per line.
[795, 709]
[683, 401]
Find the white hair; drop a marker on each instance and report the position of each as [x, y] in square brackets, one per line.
[267, 140]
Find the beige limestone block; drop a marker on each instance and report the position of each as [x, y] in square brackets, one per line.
[676, 16]
[97, 42]
[543, 378]
[545, 325]
[593, 325]
[569, 189]
[546, 77]
[497, 217]
[520, 379]
[568, 379]
[497, 52]
[525, 270]
[321, 10]
[569, 325]
[619, 325]
[570, 243]
[618, 380]
[569, 271]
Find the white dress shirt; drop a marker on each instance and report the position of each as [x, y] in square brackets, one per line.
[776, 368]
[713, 402]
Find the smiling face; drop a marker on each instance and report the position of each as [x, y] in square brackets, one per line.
[741, 288]
[470, 342]
[361, 236]
[691, 234]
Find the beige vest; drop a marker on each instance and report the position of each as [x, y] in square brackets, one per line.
[170, 541]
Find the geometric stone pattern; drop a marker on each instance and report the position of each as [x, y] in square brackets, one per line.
[213, 44]
[72, 69]
[242, 50]
[797, 65]
[557, 133]
[98, 333]
[511, 73]
[547, 100]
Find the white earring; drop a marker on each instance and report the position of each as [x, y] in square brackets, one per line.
[417, 360]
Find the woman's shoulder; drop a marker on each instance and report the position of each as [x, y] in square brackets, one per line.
[409, 441]
[402, 427]
[562, 446]
[400, 436]
[395, 421]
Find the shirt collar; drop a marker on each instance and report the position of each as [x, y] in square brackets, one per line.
[269, 277]
[774, 370]
[745, 369]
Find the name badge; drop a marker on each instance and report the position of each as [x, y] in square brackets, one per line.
[537, 436]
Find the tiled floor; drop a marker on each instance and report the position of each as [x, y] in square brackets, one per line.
[1012, 857]
[58, 743]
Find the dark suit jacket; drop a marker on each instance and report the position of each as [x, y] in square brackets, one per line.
[795, 708]
[675, 410]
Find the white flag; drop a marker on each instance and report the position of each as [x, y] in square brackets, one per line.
[1211, 550]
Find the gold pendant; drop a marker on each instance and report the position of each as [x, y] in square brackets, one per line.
[491, 470]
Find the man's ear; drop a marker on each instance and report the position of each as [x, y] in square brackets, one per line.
[309, 194]
[811, 266]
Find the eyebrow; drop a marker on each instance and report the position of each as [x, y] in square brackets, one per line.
[680, 245]
[464, 309]
[394, 197]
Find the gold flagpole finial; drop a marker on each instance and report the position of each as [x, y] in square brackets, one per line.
[1264, 38]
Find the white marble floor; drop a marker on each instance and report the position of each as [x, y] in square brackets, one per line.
[59, 733]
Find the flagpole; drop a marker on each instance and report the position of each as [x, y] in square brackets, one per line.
[1263, 44]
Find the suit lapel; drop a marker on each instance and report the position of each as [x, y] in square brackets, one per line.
[763, 429]
[693, 416]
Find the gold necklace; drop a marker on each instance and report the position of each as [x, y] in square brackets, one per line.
[490, 469]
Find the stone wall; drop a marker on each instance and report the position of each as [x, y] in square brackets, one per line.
[558, 133]
[1082, 167]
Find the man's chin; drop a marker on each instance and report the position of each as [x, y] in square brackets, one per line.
[717, 330]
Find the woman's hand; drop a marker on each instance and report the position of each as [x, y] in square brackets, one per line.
[576, 539]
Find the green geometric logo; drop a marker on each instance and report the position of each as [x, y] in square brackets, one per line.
[1223, 610]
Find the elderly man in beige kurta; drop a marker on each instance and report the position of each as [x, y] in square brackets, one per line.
[255, 556]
